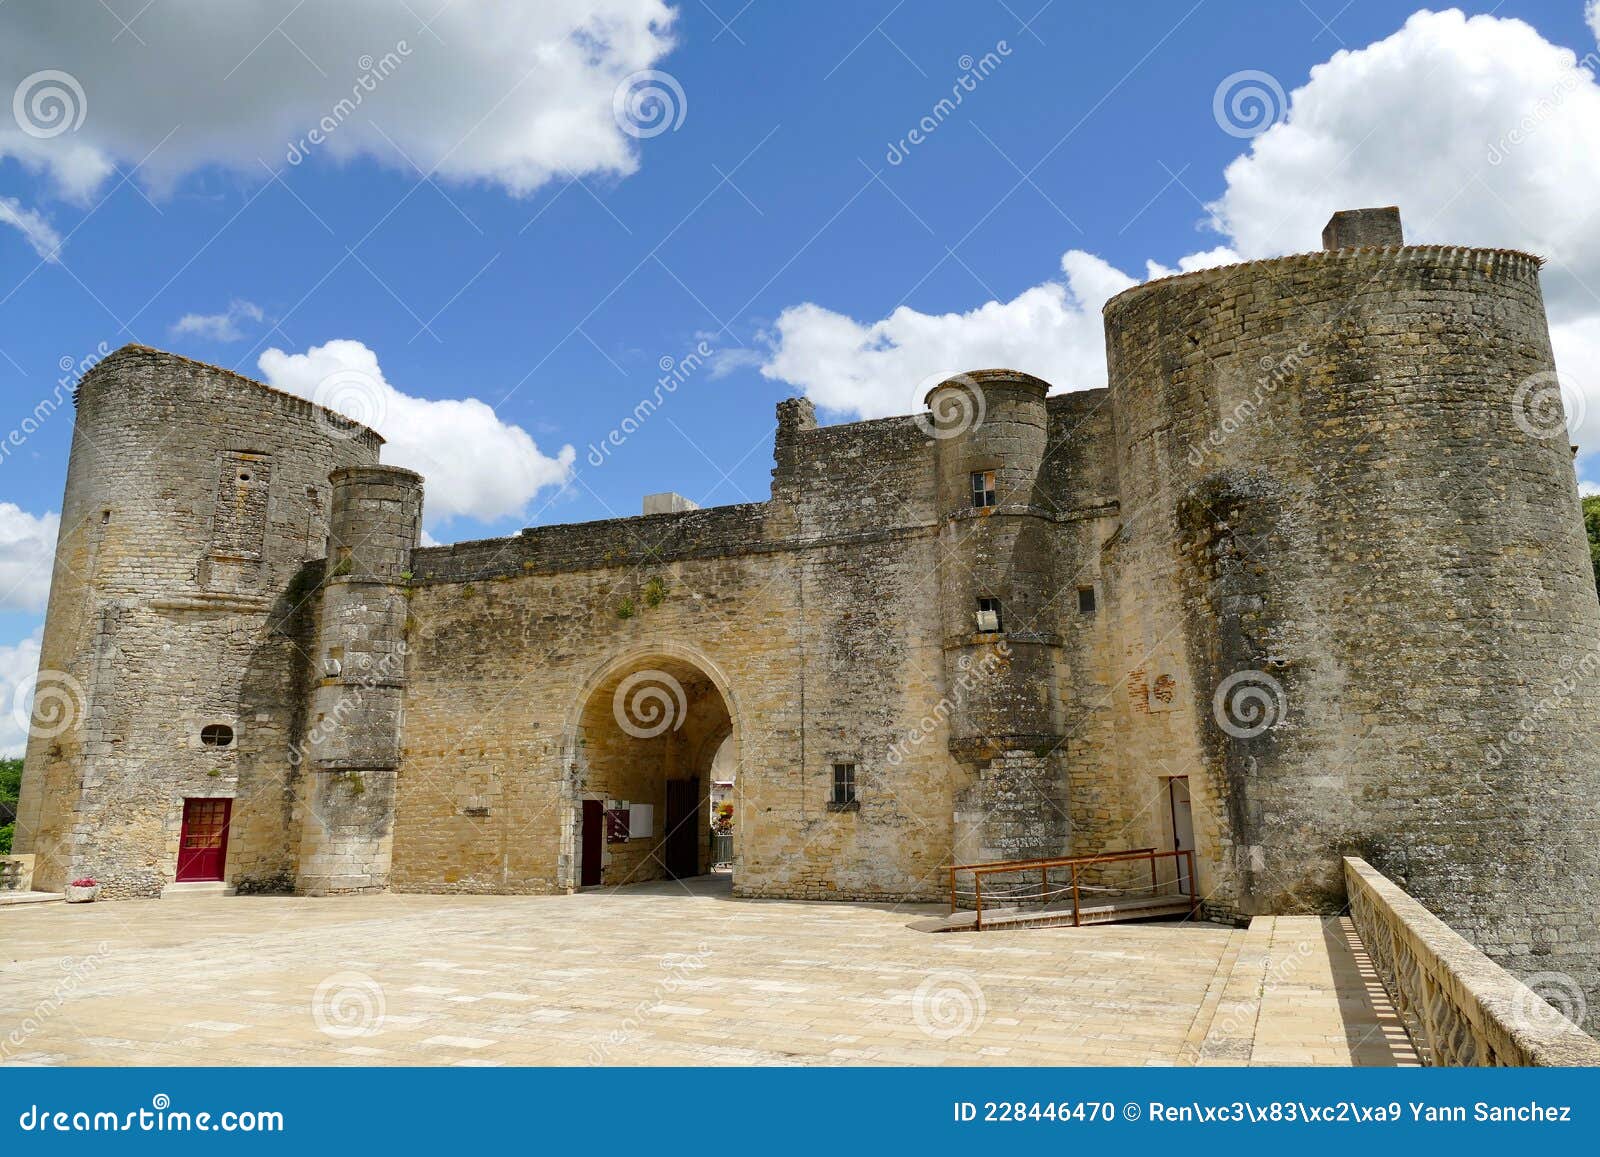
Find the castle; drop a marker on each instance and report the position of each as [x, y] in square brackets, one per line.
[1307, 578]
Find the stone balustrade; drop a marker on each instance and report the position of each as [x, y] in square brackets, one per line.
[1460, 1007]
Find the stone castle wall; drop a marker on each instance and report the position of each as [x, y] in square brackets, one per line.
[1311, 552]
[808, 616]
[194, 497]
[1342, 518]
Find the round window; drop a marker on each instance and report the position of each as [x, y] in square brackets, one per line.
[216, 735]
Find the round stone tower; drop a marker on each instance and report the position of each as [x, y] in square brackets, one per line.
[353, 735]
[1347, 485]
[168, 667]
[996, 575]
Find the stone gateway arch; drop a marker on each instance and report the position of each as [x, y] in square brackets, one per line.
[1306, 579]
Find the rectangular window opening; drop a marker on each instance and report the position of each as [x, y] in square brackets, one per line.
[1086, 600]
[983, 491]
[844, 785]
[989, 620]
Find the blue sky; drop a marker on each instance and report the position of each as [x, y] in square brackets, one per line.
[549, 266]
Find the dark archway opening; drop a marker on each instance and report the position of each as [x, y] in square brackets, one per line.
[646, 741]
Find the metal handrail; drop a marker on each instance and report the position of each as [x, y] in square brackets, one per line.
[998, 867]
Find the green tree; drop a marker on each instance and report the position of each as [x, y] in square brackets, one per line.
[10, 788]
[1591, 524]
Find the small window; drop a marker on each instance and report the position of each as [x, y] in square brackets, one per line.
[844, 786]
[1086, 600]
[989, 621]
[983, 494]
[216, 735]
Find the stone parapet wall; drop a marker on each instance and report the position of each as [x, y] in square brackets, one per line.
[1460, 1007]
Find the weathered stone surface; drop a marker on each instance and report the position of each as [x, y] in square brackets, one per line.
[1311, 480]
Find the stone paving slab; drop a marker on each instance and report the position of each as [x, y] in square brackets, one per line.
[654, 974]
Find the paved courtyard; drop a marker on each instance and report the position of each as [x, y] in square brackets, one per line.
[661, 974]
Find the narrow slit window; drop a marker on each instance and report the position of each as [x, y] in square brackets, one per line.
[989, 620]
[983, 492]
[1086, 604]
[844, 785]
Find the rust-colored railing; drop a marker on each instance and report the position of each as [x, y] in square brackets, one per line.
[1076, 864]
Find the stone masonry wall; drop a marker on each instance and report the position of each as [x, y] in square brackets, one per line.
[193, 498]
[811, 614]
[1366, 528]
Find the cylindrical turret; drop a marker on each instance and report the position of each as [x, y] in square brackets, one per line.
[1384, 600]
[194, 496]
[996, 577]
[353, 738]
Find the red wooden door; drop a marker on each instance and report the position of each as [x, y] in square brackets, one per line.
[594, 827]
[203, 844]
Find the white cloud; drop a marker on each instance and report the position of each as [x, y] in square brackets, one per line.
[224, 326]
[1221, 255]
[1051, 330]
[18, 664]
[37, 231]
[476, 465]
[27, 556]
[1577, 346]
[1479, 129]
[1483, 132]
[493, 90]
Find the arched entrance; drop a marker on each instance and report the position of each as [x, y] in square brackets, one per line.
[647, 729]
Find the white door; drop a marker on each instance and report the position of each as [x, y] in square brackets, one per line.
[1182, 828]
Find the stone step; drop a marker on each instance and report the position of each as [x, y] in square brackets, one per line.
[1299, 994]
[1189, 1053]
[1230, 1035]
[7, 898]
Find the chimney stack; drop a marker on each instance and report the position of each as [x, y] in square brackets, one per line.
[1366, 228]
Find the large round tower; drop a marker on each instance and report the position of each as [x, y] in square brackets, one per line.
[996, 575]
[1345, 488]
[169, 665]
